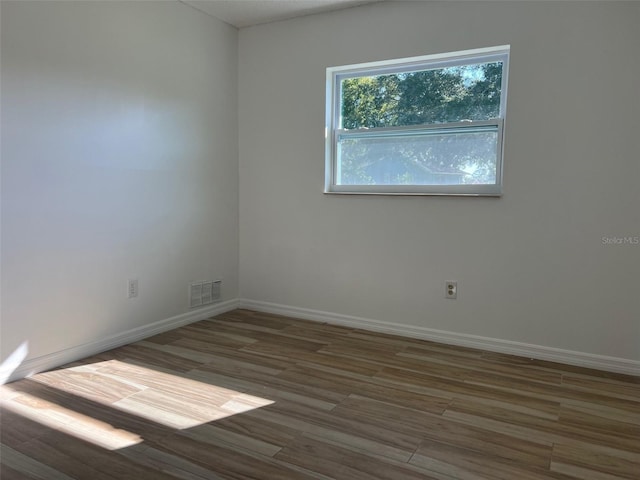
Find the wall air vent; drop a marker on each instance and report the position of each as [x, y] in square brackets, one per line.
[204, 293]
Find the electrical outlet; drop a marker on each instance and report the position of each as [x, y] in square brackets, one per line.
[132, 288]
[451, 290]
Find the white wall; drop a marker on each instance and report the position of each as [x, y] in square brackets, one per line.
[119, 160]
[531, 266]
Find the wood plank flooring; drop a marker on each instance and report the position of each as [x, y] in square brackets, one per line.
[248, 395]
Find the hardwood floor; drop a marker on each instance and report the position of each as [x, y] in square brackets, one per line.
[248, 395]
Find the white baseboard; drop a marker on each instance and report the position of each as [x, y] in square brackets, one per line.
[55, 359]
[588, 360]
[570, 357]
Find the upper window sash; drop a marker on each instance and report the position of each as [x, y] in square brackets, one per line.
[335, 75]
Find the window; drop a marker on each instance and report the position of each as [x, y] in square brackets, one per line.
[429, 125]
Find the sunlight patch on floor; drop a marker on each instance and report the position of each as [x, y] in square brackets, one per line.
[67, 421]
[163, 398]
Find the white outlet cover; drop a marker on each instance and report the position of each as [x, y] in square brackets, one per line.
[451, 290]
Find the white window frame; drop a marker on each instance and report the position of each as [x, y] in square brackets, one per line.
[333, 133]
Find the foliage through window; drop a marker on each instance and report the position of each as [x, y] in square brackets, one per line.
[423, 125]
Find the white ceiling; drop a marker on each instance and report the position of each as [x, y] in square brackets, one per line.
[244, 13]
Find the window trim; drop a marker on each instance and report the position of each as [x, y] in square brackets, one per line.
[334, 75]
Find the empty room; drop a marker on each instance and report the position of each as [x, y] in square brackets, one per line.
[332, 239]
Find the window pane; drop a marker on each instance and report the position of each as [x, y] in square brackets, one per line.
[427, 125]
[451, 94]
[431, 157]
